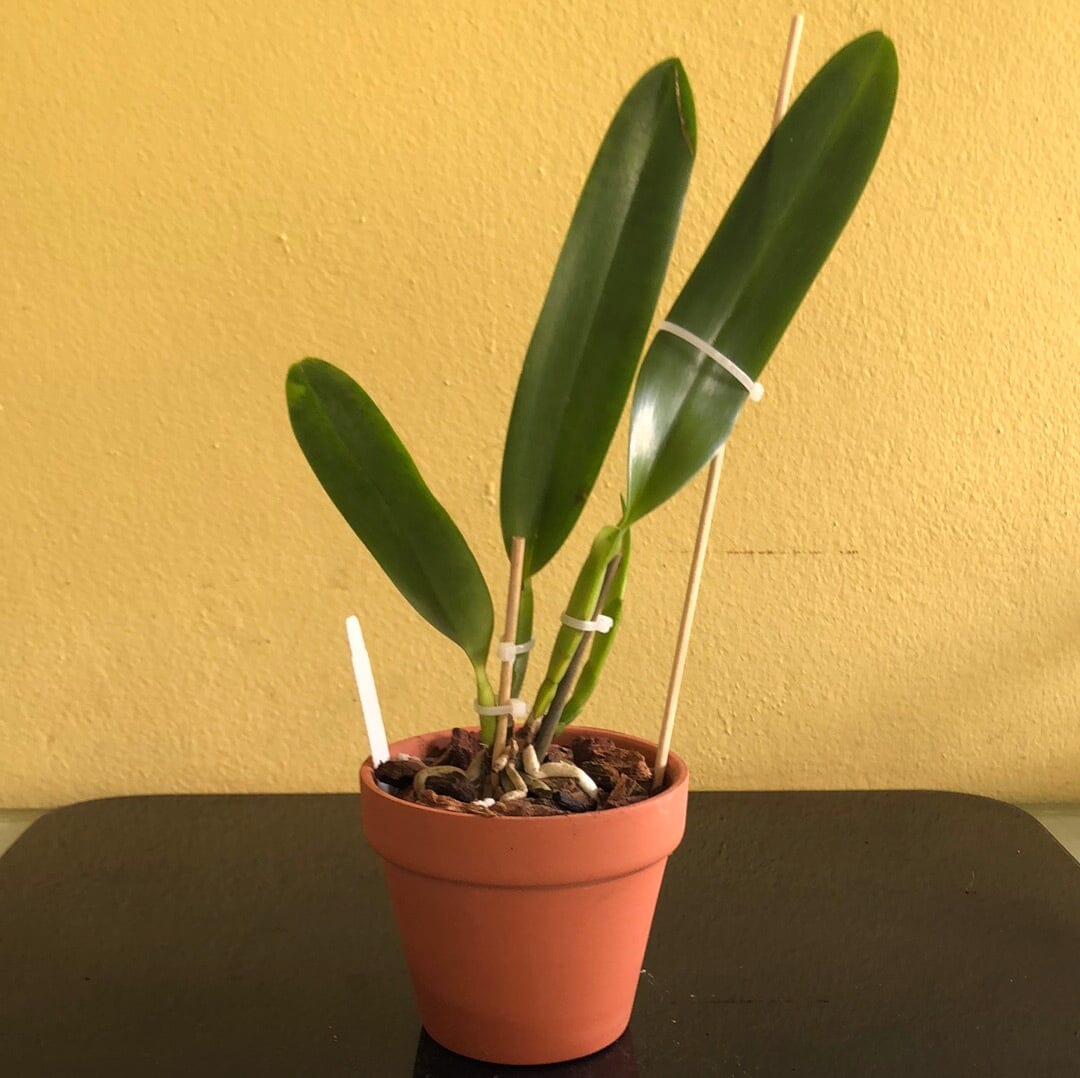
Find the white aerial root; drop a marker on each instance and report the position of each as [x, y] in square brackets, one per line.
[529, 762]
[516, 781]
[518, 784]
[566, 770]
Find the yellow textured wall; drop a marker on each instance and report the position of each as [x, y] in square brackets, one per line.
[194, 195]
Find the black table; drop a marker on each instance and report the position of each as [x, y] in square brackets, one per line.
[831, 934]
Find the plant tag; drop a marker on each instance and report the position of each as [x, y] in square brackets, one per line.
[369, 698]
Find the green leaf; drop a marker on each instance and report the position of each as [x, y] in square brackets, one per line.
[588, 339]
[767, 251]
[374, 483]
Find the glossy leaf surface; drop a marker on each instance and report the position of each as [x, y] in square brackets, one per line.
[377, 488]
[585, 349]
[751, 279]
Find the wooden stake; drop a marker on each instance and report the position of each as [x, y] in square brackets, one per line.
[787, 74]
[506, 669]
[708, 505]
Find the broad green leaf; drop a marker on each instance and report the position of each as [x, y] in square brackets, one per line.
[588, 339]
[767, 251]
[374, 483]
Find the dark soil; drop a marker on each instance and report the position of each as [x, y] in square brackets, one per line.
[400, 773]
[454, 785]
[622, 774]
[458, 751]
[622, 777]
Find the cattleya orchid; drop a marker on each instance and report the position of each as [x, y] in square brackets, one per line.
[579, 369]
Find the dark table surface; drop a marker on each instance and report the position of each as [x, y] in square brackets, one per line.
[837, 934]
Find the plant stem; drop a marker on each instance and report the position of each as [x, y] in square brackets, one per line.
[542, 741]
[485, 696]
[506, 669]
[524, 633]
[608, 542]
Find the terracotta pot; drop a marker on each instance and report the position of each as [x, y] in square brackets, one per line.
[524, 938]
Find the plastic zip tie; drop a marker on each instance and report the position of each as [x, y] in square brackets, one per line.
[516, 709]
[602, 624]
[755, 389]
[508, 652]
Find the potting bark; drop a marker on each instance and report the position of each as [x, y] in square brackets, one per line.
[622, 777]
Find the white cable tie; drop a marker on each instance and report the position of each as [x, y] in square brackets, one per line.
[516, 709]
[755, 389]
[602, 624]
[508, 652]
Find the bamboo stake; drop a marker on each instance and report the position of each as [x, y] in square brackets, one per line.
[787, 74]
[708, 505]
[506, 669]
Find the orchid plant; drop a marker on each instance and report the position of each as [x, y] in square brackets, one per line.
[581, 362]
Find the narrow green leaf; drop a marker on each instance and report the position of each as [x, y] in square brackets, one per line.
[588, 339]
[751, 279]
[374, 483]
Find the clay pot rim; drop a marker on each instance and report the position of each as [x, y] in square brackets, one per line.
[677, 776]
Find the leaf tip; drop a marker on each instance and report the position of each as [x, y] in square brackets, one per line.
[297, 380]
[877, 44]
[295, 383]
[684, 104]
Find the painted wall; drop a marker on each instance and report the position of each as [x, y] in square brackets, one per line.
[194, 195]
